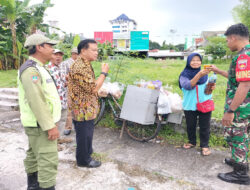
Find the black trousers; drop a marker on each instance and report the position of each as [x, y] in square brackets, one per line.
[84, 136]
[204, 124]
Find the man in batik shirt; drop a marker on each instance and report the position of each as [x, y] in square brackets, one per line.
[82, 89]
[60, 82]
[237, 106]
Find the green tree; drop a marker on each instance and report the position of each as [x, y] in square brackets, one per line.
[68, 38]
[105, 50]
[38, 15]
[76, 40]
[154, 45]
[10, 12]
[164, 45]
[180, 47]
[217, 47]
[241, 13]
[168, 46]
[15, 14]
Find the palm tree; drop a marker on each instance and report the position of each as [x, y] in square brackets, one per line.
[15, 9]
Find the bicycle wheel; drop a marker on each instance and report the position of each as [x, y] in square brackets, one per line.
[143, 133]
[101, 112]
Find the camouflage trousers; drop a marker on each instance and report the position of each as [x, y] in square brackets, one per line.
[237, 139]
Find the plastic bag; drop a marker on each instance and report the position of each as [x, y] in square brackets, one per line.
[149, 84]
[157, 84]
[163, 104]
[104, 90]
[175, 102]
[168, 88]
[116, 89]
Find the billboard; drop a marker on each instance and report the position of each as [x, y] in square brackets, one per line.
[139, 40]
[103, 37]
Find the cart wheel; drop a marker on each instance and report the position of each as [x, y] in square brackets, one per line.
[101, 112]
[142, 133]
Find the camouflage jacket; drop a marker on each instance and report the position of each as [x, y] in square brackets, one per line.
[239, 71]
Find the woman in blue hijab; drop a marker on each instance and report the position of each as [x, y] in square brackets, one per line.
[191, 76]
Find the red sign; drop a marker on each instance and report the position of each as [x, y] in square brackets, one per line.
[198, 41]
[103, 37]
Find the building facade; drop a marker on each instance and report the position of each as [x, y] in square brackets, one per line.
[121, 28]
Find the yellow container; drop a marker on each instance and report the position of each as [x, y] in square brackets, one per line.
[151, 86]
[207, 66]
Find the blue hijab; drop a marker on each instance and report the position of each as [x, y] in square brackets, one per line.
[190, 72]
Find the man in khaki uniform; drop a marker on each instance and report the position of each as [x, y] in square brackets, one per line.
[40, 109]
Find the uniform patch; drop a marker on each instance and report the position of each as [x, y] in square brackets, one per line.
[35, 78]
[243, 68]
[242, 63]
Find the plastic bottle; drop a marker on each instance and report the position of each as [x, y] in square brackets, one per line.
[211, 82]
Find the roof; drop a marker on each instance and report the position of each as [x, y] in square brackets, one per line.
[123, 17]
[165, 53]
[206, 34]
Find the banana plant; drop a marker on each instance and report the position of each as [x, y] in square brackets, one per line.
[16, 10]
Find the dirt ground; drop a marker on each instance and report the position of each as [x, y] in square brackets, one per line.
[125, 164]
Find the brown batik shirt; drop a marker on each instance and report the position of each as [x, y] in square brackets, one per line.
[83, 101]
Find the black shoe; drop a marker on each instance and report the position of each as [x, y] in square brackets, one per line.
[49, 188]
[238, 176]
[32, 181]
[67, 131]
[231, 162]
[92, 164]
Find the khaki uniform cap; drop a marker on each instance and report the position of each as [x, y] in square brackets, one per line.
[74, 50]
[37, 39]
[58, 51]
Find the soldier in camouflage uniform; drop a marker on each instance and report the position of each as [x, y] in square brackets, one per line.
[237, 106]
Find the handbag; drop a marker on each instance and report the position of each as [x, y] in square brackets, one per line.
[206, 106]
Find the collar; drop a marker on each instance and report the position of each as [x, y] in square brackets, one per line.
[84, 60]
[37, 61]
[246, 48]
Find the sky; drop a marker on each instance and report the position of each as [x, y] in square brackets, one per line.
[186, 18]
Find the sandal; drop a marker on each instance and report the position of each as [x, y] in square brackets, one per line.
[188, 146]
[205, 151]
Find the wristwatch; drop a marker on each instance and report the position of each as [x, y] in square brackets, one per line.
[229, 110]
[105, 74]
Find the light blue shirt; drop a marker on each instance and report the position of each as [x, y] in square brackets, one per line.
[190, 97]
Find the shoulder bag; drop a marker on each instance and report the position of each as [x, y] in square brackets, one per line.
[206, 106]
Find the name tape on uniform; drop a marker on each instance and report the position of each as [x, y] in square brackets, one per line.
[243, 68]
